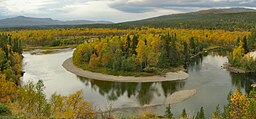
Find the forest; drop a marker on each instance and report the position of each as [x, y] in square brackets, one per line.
[150, 53]
[199, 20]
[146, 50]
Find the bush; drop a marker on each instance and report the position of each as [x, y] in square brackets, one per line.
[55, 42]
[128, 64]
[4, 110]
[150, 69]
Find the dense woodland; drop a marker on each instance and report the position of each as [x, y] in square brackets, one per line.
[67, 36]
[141, 50]
[148, 52]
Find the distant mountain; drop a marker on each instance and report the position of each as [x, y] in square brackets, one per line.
[22, 21]
[227, 19]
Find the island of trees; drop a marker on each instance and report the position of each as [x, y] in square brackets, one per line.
[147, 53]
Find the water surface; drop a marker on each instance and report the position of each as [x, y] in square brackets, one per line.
[207, 76]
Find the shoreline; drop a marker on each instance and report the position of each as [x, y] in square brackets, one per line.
[170, 76]
[234, 69]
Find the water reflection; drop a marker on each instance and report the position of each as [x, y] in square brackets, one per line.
[211, 81]
[243, 81]
[196, 63]
[144, 93]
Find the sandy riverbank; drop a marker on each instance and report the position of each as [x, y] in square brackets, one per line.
[180, 96]
[170, 76]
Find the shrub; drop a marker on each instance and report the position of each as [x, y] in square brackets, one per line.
[4, 110]
[150, 69]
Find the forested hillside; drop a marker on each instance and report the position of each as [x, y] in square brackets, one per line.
[199, 20]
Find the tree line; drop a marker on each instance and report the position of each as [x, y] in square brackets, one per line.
[70, 36]
[148, 52]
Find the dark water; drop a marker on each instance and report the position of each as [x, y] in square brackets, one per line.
[207, 76]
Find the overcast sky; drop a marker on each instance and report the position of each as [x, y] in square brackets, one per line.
[110, 10]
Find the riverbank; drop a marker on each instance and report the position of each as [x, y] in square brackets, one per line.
[170, 76]
[234, 69]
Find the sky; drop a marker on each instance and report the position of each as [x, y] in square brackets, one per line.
[110, 10]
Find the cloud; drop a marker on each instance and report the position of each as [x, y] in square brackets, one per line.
[112, 10]
[139, 6]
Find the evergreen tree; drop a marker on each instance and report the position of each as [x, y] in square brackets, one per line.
[163, 61]
[134, 44]
[192, 45]
[252, 40]
[127, 46]
[200, 114]
[186, 52]
[173, 54]
[183, 114]
[245, 45]
[168, 113]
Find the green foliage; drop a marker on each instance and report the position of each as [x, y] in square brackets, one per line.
[10, 74]
[4, 110]
[116, 65]
[150, 69]
[200, 114]
[198, 20]
[186, 52]
[163, 61]
[128, 64]
[56, 42]
[252, 40]
[168, 113]
[3, 59]
[184, 114]
[245, 45]
[134, 44]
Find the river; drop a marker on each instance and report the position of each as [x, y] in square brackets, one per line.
[207, 76]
